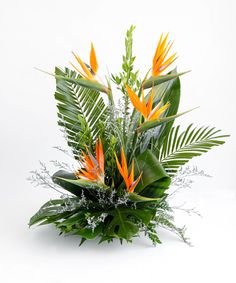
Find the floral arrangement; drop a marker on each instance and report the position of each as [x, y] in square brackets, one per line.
[128, 153]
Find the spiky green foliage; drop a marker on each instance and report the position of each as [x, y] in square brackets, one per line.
[128, 75]
[81, 111]
[179, 147]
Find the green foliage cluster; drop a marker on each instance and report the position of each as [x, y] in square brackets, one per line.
[108, 211]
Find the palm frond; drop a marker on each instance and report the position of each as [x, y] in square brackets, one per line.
[178, 148]
[79, 111]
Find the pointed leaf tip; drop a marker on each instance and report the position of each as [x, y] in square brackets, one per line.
[153, 81]
[151, 124]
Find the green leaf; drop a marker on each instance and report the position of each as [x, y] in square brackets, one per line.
[138, 198]
[153, 81]
[61, 178]
[154, 179]
[152, 124]
[123, 225]
[80, 110]
[84, 83]
[78, 225]
[85, 184]
[50, 211]
[169, 92]
[89, 233]
[82, 241]
[178, 148]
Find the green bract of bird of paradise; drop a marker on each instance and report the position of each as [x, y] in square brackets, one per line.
[126, 154]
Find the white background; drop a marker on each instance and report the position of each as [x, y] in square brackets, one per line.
[42, 34]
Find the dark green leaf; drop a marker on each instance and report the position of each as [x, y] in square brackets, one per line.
[154, 179]
[123, 225]
[61, 178]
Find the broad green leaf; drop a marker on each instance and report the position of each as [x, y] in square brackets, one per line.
[89, 233]
[121, 225]
[61, 178]
[77, 225]
[50, 212]
[154, 179]
[86, 184]
[170, 94]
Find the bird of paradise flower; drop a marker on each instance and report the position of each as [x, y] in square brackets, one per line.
[87, 72]
[92, 167]
[160, 61]
[146, 108]
[128, 177]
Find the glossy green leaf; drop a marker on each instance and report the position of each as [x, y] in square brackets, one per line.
[61, 178]
[51, 211]
[86, 184]
[153, 81]
[154, 179]
[152, 124]
[122, 226]
[139, 198]
[169, 92]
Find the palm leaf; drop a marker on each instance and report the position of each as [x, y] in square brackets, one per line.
[79, 110]
[178, 148]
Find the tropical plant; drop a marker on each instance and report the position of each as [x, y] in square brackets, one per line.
[125, 157]
[178, 148]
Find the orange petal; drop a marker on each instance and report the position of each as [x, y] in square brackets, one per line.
[124, 163]
[135, 99]
[144, 107]
[163, 44]
[160, 63]
[167, 49]
[169, 61]
[160, 48]
[131, 176]
[93, 60]
[157, 50]
[164, 52]
[119, 167]
[100, 155]
[135, 183]
[122, 173]
[158, 111]
[150, 102]
[93, 160]
[86, 175]
[83, 66]
[78, 70]
[88, 159]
